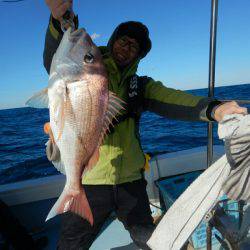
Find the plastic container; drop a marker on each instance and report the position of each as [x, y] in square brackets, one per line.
[172, 187]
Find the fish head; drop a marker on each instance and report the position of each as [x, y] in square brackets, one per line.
[78, 56]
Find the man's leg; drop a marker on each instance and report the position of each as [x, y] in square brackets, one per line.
[134, 211]
[77, 233]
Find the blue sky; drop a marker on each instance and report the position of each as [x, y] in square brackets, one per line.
[179, 30]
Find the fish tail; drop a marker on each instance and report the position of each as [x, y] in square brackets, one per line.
[76, 203]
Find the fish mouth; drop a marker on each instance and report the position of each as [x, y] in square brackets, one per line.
[81, 34]
[77, 32]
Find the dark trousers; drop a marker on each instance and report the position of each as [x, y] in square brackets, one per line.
[130, 203]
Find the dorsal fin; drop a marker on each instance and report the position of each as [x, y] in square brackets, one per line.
[115, 105]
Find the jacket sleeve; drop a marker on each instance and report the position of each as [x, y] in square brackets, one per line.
[177, 104]
[53, 38]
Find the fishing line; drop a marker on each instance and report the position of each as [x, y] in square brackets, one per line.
[12, 1]
[153, 205]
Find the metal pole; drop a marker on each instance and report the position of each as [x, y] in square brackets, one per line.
[213, 31]
[209, 236]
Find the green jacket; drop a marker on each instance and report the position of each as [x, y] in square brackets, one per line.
[121, 156]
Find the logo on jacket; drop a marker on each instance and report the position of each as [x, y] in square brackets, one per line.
[133, 87]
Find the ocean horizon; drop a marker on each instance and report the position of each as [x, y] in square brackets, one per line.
[188, 90]
[22, 140]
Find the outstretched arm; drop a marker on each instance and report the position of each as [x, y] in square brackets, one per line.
[177, 104]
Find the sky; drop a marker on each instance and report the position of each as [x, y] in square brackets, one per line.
[179, 30]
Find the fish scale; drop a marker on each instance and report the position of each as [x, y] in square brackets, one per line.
[81, 110]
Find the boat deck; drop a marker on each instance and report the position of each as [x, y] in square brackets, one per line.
[113, 236]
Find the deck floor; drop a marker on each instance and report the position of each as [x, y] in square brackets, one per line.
[114, 237]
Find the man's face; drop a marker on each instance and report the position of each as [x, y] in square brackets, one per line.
[125, 50]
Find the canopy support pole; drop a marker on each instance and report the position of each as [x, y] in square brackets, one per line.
[212, 54]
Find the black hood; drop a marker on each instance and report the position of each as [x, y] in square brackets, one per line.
[135, 30]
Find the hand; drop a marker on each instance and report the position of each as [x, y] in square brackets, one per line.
[59, 7]
[227, 109]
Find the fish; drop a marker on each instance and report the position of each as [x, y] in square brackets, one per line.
[81, 110]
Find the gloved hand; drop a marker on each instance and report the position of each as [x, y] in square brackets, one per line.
[52, 151]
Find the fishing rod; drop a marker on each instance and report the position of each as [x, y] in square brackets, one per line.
[212, 54]
[211, 80]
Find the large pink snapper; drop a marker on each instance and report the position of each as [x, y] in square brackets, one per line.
[81, 110]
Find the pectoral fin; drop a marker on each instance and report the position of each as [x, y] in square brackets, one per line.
[39, 100]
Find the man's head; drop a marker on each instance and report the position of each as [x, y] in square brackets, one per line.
[129, 41]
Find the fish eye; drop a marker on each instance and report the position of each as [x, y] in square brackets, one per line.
[89, 58]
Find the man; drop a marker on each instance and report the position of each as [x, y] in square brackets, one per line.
[116, 183]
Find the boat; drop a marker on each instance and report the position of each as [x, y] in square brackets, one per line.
[31, 200]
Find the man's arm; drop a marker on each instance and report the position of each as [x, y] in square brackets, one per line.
[52, 40]
[177, 104]
[54, 33]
